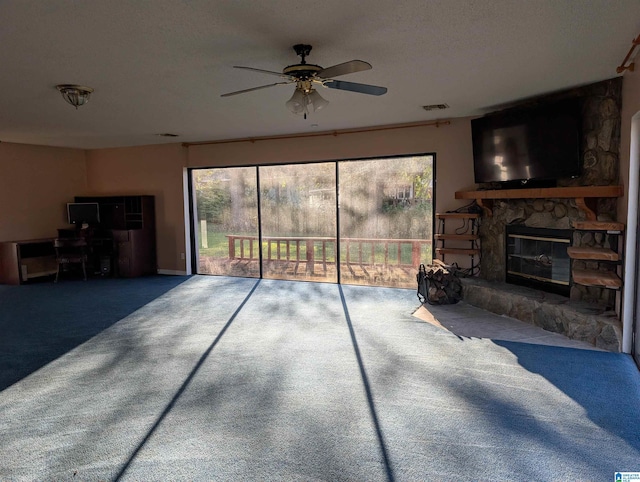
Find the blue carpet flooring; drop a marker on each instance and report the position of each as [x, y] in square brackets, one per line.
[214, 378]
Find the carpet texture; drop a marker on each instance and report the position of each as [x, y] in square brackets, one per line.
[215, 378]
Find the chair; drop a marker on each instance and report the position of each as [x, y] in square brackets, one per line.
[71, 251]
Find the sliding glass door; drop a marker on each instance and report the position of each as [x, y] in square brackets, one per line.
[298, 219]
[226, 221]
[385, 220]
[282, 221]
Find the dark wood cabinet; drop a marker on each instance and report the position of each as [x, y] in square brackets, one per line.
[134, 253]
[131, 220]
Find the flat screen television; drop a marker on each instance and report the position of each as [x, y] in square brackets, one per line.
[83, 213]
[541, 143]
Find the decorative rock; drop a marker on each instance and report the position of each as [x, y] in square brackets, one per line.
[604, 136]
[609, 109]
[599, 238]
[514, 215]
[540, 220]
[609, 338]
[591, 265]
[560, 211]
[592, 141]
[608, 207]
[521, 310]
[549, 205]
[608, 166]
[586, 239]
[583, 328]
[591, 177]
[590, 159]
[548, 320]
[538, 205]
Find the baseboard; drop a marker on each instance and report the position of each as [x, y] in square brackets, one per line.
[172, 272]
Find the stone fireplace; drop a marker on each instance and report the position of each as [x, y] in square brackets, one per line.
[510, 227]
[600, 150]
[539, 215]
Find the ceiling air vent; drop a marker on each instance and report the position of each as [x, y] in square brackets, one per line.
[167, 134]
[435, 107]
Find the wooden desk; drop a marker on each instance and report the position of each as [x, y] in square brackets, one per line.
[100, 248]
[23, 260]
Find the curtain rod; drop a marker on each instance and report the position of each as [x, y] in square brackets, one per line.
[321, 134]
[634, 43]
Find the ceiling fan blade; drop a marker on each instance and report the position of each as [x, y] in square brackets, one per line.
[343, 69]
[270, 72]
[353, 87]
[229, 94]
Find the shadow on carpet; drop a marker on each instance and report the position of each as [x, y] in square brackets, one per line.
[606, 385]
[41, 322]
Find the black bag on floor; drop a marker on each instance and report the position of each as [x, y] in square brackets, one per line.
[423, 287]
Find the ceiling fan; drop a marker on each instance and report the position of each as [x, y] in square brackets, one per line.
[306, 76]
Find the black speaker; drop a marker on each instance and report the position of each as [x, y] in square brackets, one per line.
[105, 265]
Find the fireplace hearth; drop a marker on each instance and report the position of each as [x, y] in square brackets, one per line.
[537, 258]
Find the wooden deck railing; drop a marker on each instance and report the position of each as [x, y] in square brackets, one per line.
[291, 249]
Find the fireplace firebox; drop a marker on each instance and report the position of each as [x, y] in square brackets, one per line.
[537, 258]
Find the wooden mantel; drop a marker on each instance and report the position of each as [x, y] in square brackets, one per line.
[586, 197]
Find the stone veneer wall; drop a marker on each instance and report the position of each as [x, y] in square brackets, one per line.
[579, 321]
[600, 149]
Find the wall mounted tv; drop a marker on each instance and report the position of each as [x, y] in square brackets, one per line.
[520, 145]
[83, 213]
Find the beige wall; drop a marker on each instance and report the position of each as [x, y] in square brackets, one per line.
[630, 106]
[154, 170]
[36, 182]
[451, 144]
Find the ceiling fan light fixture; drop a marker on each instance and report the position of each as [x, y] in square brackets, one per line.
[297, 103]
[76, 95]
[306, 76]
[316, 100]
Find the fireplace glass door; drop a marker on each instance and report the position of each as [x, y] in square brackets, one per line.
[538, 258]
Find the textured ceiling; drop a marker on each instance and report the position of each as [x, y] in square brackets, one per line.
[159, 66]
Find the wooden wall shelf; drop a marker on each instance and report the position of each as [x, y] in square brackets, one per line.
[605, 279]
[456, 237]
[470, 252]
[592, 277]
[589, 253]
[457, 216]
[585, 196]
[598, 226]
